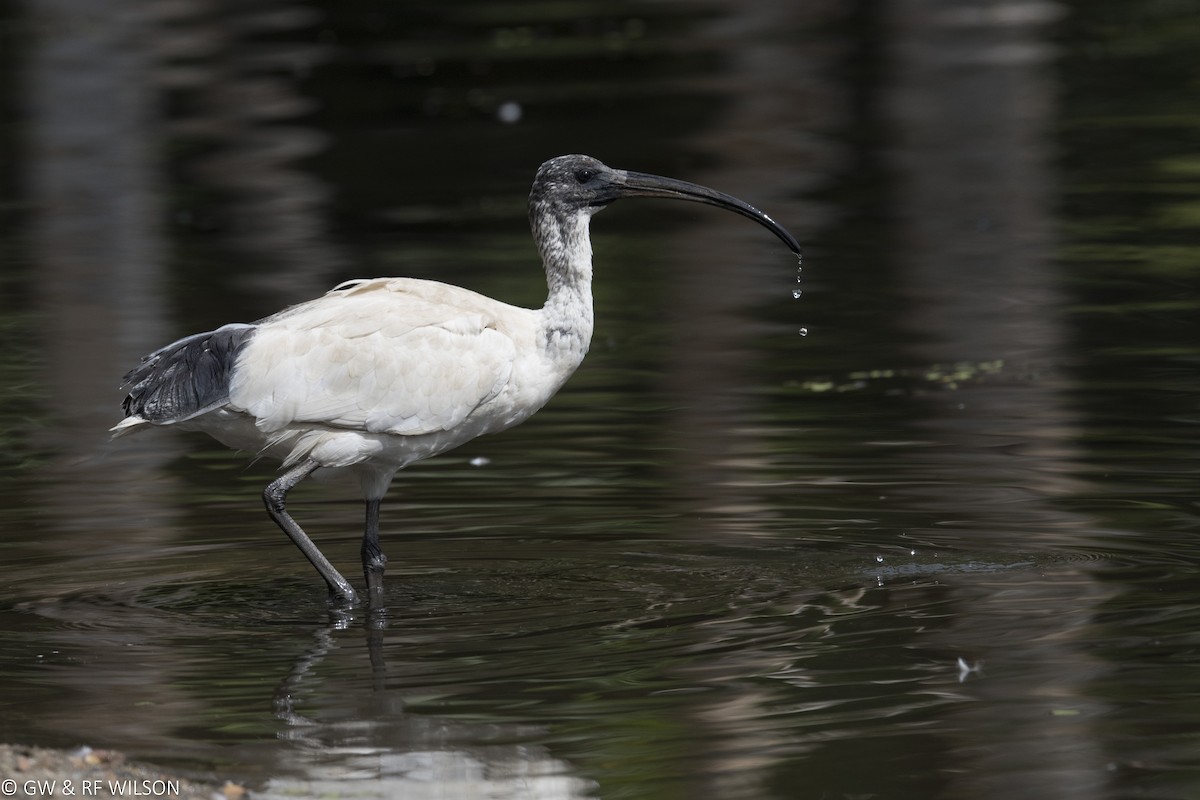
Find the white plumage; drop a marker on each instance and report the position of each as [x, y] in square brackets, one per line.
[390, 358]
[380, 373]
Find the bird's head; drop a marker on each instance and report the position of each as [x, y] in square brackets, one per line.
[578, 183]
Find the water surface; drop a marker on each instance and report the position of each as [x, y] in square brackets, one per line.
[943, 545]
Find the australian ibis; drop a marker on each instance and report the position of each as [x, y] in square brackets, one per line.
[379, 373]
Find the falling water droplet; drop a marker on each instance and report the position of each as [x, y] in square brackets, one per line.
[796, 290]
[879, 559]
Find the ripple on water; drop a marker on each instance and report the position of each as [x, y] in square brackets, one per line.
[491, 652]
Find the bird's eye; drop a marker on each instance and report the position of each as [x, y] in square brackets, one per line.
[584, 175]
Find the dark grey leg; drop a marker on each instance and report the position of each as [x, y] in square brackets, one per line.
[274, 496]
[373, 559]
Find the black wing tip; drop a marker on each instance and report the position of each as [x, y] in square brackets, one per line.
[186, 378]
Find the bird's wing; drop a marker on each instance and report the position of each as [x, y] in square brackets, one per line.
[401, 357]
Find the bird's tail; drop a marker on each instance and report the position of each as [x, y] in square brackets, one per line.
[127, 426]
[183, 380]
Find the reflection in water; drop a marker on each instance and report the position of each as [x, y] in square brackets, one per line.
[96, 204]
[406, 755]
[704, 671]
[236, 74]
[97, 251]
[719, 275]
[971, 99]
[711, 436]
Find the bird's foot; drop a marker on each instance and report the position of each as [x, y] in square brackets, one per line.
[343, 596]
[373, 571]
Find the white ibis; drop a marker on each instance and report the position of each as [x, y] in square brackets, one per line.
[377, 374]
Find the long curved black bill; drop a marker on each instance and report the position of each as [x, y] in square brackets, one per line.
[641, 184]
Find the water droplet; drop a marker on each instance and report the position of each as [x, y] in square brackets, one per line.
[796, 293]
[480, 461]
[879, 559]
[509, 112]
[804, 331]
[912, 552]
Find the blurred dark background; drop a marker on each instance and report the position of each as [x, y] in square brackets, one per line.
[965, 427]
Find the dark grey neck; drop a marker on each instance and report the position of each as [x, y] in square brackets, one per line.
[564, 243]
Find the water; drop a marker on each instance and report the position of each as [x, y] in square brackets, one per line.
[728, 560]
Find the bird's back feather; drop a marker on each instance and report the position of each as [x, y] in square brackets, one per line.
[389, 356]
